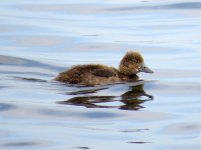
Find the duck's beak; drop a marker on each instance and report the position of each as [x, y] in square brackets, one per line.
[146, 69]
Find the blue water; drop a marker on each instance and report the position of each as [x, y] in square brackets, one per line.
[39, 39]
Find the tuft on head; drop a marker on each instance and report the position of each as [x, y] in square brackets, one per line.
[130, 63]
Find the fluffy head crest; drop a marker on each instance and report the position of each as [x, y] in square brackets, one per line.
[130, 63]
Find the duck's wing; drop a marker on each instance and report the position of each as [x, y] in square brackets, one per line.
[102, 72]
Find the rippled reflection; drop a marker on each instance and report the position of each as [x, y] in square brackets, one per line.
[130, 100]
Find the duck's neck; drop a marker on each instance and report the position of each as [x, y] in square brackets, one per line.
[128, 78]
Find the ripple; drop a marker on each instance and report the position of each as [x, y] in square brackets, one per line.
[8, 60]
[88, 91]
[5, 107]
[1, 87]
[19, 144]
[183, 128]
[100, 115]
[94, 8]
[52, 112]
[185, 5]
[30, 79]
[16, 61]
[134, 130]
[32, 70]
[83, 147]
[139, 142]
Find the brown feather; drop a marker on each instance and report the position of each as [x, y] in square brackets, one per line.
[96, 74]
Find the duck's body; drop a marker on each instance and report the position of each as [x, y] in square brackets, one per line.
[93, 74]
[96, 74]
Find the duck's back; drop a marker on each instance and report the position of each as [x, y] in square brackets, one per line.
[92, 74]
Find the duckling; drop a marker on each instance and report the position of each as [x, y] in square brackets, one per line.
[97, 74]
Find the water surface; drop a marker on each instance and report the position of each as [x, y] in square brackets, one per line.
[39, 39]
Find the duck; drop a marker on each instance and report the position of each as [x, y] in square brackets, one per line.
[97, 74]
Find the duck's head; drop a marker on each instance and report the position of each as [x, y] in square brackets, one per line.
[133, 63]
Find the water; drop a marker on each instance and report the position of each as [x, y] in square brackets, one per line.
[39, 39]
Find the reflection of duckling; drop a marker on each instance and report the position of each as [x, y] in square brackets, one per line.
[134, 98]
[131, 100]
[95, 74]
